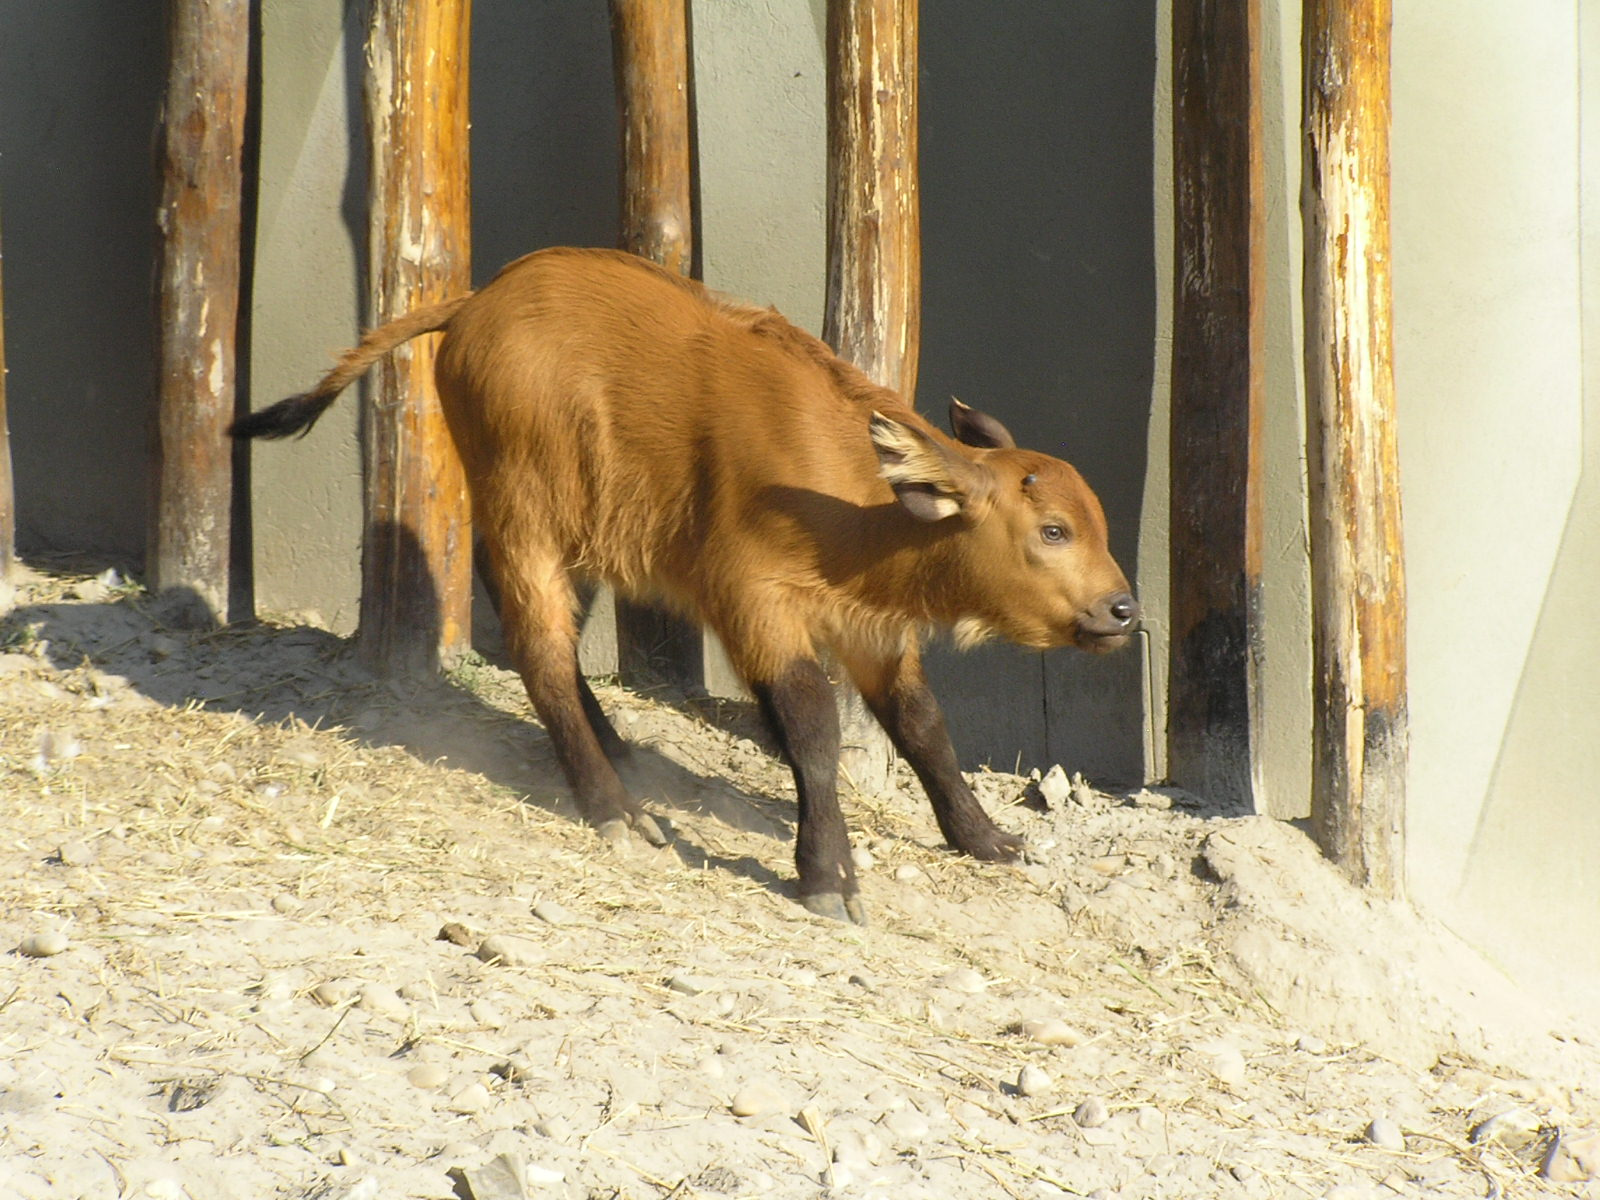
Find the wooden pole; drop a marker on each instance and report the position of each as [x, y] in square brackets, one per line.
[1359, 731]
[208, 45]
[1214, 736]
[650, 63]
[417, 550]
[874, 295]
[650, 56]
[8, 493]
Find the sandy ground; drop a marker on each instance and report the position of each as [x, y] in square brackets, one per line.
[274, 928]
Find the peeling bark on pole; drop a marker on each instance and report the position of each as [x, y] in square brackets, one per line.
[874, 296]
[416, 563]
[1214, 737]
[1360, 733]
[8, 493]
[208, 45]
[650, 63]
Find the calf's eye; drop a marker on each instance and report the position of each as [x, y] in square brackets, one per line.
[1055, 535]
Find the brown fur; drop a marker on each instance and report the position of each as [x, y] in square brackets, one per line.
[620, 423]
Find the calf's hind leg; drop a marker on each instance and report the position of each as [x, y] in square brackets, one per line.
[611, 742]
[536, 610]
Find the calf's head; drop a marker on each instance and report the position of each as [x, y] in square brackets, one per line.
[1026, 548]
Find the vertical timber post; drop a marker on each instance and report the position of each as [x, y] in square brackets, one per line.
[8, 492]
[1359, 723]
[650, 62]
[203, 126]
[874, 297]
[1214, 736]
[416, 560]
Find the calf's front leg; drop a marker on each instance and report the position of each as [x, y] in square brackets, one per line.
[897, 692]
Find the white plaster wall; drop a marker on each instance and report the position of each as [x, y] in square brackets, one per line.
[1501, 544]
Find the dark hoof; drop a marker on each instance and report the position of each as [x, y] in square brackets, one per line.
[994, 845]
[619, 831]
[836, 907]
[645, 826]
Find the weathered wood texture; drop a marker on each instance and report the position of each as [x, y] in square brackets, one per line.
[650, 58]
[873, 310]
[8, 492]
[203, 130]
[417, 549]
[1214, 735]
[650, 64]
[874, 297]
[1360, 733]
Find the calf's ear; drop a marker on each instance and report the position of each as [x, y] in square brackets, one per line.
[930, 481]
[978, 428]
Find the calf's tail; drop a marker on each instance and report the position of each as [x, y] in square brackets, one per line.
[298, 414]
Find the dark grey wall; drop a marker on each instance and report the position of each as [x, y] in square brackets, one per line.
[1039, 291]
[1039, 306]
[80, 86]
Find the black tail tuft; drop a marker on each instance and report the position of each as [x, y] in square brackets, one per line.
[296, 415]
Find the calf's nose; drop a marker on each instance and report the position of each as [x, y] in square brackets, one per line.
[1112, 616]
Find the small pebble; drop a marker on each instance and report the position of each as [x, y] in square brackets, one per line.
[907, 1124]
[1513, 1129]
[855, 1149]
[690, 985]
[1386, 1133]
[1091, 1113]
[862, 858]
[76, 854]
[884, 1099]
[284, 904]
[907, 872]
[43, 945]
[507, 950]
[384, 1001]
[1310, 1043]
[964, 980]
[1054, 788]
[1226, 1062]
[1243, 1172]
[712, 1066]
[427, 1075]
[554, 1128]
[1572, 1159]
[470, 1099]
[552, 913]
[417, 989]
[1034, 1081]
[486, 1014]
[544, 1176]
[1108, 864]
[301, 754]
[514, 1070]
[334, 992]
[1051, 1031]
[1150, 1119]
[754, 1100]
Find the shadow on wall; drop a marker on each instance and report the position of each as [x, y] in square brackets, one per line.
[1039, 306]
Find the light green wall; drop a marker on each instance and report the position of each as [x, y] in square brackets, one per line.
[308, 299]
[1495, 172]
